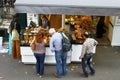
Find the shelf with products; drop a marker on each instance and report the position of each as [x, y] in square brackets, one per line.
[28, 55]
[78, 25]
[29, 33]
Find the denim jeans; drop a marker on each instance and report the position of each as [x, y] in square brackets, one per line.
[39, 63]
[86, 60]
[61, 58]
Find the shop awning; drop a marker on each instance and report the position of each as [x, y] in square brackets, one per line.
[78, 7]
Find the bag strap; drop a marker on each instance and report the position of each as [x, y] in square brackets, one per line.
[64, 36]
[61, 34]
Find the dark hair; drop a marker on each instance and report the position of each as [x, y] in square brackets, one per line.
[86, 34]
[16, 15]
[44, 16]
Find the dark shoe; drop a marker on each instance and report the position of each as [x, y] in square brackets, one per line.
[92, 73]
[86, 76]
[55, 74]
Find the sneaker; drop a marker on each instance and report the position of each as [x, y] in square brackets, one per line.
[40, 76]
[86, 76]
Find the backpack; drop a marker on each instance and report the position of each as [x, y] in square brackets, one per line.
[66, 45]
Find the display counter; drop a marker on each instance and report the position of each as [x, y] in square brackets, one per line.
[28, 56]
[73, 55]
[76, 52]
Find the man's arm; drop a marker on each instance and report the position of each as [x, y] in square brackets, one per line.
[52, 44]
[83, 51]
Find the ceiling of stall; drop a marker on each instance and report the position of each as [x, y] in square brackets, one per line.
[78, 7]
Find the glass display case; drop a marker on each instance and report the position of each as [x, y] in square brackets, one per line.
[30, 32]
[78, 25]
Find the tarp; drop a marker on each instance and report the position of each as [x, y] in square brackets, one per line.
[83, 7]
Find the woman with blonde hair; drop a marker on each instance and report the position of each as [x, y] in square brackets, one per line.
[38, 48]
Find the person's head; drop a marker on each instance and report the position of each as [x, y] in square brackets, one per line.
[16, 17]
[43, 17]
[51, 31]
[86, 35]
[39, 36]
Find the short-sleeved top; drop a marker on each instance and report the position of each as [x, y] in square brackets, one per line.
[47, 23]
[40, 47]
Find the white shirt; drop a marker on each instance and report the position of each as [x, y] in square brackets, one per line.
[88, 46]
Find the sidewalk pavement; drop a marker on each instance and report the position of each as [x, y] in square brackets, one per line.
[106, 61]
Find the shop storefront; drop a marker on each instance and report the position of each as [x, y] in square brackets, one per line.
[75, 14]
[71, 26]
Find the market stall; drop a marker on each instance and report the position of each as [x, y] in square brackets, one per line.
[78, 7]
[28, 55]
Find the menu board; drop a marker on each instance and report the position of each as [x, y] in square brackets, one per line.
[32, 17]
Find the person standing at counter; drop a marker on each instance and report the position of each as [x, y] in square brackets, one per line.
[60, 56]
[45, 22]
[100, 27]
[87, 54]
[14, 25]
[38, 47]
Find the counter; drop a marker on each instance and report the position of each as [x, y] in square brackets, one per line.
[73, 55]
[28, 56]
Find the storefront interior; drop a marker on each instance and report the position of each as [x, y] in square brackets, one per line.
[73, 24]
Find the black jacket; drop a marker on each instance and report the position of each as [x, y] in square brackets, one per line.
[18, 27]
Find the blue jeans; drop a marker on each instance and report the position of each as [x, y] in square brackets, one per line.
[61, 58]
[39, 63]
[86, 61]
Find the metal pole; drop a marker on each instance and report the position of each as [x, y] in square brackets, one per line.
[63, 20]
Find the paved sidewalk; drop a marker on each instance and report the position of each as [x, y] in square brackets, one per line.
[106, 61]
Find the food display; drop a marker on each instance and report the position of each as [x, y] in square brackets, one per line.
[29, 34]
[79, 24]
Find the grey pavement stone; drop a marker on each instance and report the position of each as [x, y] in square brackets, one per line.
[106, 61]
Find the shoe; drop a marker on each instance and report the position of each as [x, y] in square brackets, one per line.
[55, 74]
[86, 76]
[40, 76]
[92, 73]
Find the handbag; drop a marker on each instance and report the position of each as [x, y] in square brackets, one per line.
[15, 34]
